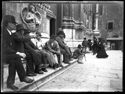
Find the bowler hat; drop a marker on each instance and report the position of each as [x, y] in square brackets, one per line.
[8, 19]
[20, 27]
[26, 31]
[61, 33]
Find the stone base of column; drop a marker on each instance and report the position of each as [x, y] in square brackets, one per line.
[96, 33]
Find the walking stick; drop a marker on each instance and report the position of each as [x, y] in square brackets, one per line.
[84, 52]
[85, 56]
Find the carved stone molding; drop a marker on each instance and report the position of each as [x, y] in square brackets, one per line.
[31, 17]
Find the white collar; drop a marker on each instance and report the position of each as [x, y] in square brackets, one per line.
[9, 31]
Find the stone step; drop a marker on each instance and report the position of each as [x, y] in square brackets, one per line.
[39, 80]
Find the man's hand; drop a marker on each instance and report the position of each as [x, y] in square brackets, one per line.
[32, 35]
[21, 54]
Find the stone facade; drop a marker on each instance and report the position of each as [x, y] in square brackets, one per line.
[15, 9]
[76, 19]
[73, 18]
[112, 13]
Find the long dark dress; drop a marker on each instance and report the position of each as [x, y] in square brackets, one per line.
[101, 53]
[95, 47]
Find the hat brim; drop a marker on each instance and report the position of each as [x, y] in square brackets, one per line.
[21, 29]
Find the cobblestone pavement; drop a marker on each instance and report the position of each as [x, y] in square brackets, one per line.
[95, 75]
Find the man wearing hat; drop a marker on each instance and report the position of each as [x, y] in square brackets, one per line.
[19, 38]
[9, 53]
[35, 59]
[65, 50]
[52, 47]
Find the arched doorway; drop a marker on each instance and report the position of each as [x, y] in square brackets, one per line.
[52, 26]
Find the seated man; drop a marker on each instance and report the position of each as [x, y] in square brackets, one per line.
[35, 55]
[53, 47]
[11, 55]
[64, 49]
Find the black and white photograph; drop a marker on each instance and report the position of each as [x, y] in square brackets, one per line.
[62, 46]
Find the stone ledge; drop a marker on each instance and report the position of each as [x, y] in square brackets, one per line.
[40, 79]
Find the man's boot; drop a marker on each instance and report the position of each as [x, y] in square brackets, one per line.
[38, 69]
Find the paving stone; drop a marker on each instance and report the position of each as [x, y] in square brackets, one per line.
[106, 89]
[93, 75]
[116, 84]
[107, 75]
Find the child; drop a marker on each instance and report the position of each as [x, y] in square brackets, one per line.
[77, 54]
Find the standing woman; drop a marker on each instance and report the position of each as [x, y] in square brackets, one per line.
[101, 53]
[95, 45]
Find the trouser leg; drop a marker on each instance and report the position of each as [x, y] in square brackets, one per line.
[66, 58]
[44, 58]
[15, 64]
[29, 64]
[11, 74]
[59, 59]
[20, 69]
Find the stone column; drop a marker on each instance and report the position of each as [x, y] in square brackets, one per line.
[97, 7]
[62, 15]
[96, 30]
